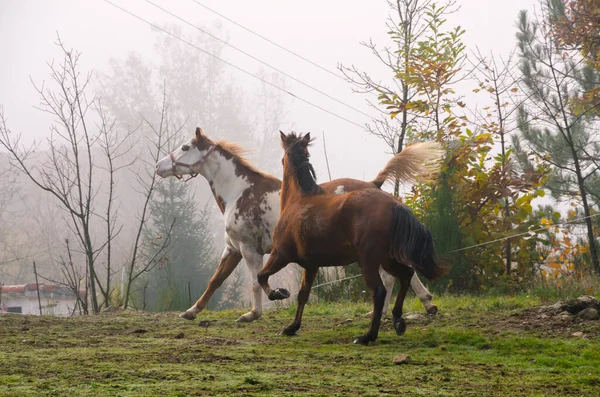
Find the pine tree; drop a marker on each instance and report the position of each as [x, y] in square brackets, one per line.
[557, 130]
[190, 256]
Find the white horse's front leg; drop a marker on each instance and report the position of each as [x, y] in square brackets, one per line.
[254, 260]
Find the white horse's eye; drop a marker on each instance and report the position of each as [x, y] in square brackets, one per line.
[185, 148]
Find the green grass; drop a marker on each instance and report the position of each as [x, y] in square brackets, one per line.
[476, 347]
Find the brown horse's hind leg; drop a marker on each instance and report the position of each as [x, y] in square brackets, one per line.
[307, 281]
[229, 261]
[404, 274]
[273, 265]
[370, 273]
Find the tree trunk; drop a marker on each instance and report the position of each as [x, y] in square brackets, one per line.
[588, 219]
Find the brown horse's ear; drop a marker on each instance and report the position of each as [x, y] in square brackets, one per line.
[283, 137]
[307, 137]
[198, 132]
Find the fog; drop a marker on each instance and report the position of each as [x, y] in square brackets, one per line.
[328, 33]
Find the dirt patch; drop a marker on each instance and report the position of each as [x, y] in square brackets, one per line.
[216, 341]
[563, 318]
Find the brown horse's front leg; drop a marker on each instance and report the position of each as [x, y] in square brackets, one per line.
[273, 265]
[371, 276]
[307, 281]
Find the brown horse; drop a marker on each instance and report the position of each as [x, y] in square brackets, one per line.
[367, 226]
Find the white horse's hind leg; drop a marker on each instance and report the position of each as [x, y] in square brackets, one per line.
[423, 294]
[388, 282]
[254, 261]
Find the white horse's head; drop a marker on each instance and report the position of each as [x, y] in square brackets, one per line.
[188, 158]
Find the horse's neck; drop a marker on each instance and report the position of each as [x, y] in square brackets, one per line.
[227, 184]
[290, 188]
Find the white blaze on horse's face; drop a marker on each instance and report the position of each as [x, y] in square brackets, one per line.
[183, 161]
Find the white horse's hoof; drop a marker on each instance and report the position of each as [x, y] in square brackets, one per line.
[188, 315]
[248, 317]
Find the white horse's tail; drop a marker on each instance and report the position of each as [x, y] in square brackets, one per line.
[417, 161]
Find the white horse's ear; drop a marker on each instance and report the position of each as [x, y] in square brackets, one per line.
[198, 132]
[282, 135]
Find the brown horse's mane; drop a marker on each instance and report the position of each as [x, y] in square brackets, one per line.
[304, 172]
[239, 154]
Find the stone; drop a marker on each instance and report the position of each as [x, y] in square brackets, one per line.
[577, 334]
[346, 321]
[574, 306]
[589, 314]
[414, 316]
[589, 299]
[557, 307]
[401, 359]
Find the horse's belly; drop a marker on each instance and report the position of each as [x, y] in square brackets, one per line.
[324, 253]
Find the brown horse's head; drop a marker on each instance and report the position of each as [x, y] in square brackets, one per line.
[295, 161]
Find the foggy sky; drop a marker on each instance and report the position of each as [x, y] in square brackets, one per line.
[327, 32]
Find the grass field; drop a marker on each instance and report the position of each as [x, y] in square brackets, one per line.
[492, 346]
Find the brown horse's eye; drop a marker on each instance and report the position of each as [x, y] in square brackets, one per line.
[185, 148]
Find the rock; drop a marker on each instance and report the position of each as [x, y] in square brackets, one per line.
[589, 299]
[179, 336]
[577, 334]
[589, 314]
[414, 316]
[401, 359]
[346, 321]
[557, 307]
[574, 306]
[443, 347]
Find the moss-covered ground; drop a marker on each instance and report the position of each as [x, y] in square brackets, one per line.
[495, 346]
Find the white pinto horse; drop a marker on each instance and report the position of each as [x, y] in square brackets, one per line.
[250, 203]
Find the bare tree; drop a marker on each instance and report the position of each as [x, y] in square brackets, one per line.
[114, 148]
[68, 170]
[147, 182]
[73, 280]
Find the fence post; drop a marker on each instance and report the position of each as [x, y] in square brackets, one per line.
[37, 287]
[189, 294]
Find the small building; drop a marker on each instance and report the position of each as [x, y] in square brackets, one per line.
[23, 299]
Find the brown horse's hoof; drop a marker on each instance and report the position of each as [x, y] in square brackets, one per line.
[279, 294]
[400, 326]
[432, 310]
[290, 331]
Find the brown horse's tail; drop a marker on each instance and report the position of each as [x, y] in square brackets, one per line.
[419, 159]
[412, 243]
